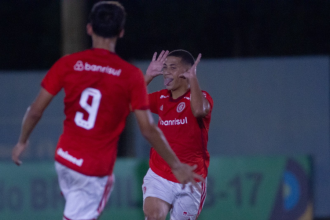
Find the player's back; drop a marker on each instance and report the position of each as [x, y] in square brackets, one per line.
[98, 86]
[97, 89]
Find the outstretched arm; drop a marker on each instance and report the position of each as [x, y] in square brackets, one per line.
[183, 172]
[156, 66]
[199, 105]
[30, 120]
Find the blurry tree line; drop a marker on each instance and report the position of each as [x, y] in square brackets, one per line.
[31, 29]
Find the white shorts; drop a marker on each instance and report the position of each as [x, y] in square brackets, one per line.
[186, 205]
[86, 196]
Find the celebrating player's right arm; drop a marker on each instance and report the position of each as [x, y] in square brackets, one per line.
[200, 106]
[183, 172]
[156, 66]
[30, 120]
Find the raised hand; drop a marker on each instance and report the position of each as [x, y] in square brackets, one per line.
[185, 175]
[192, 71]
[156, 66]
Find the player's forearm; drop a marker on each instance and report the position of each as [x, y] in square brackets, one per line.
[197, 98]
[30, 120]
[158, 141]
[148, 79]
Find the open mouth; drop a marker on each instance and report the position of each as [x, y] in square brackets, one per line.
[167, 81]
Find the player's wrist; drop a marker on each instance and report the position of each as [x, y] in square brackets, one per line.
[148, 79]
[149, 75]
[176, 166]
[22, 141]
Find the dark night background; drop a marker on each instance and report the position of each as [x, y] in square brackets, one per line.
[31, 29]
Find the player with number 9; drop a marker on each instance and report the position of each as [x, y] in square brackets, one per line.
[100, 90]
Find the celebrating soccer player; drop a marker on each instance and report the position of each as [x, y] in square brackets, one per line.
[184, 116]
[100, 89]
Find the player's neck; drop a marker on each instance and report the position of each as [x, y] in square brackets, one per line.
[105, 43]
[179, 92]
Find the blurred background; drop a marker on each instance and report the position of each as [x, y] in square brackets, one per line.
[265, 63]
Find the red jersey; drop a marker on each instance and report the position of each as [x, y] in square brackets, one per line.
[100, 88]
[186, 134]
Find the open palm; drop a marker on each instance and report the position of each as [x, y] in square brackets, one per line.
[156, 66]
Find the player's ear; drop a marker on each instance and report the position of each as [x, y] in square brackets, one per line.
[121, 34]
[89, 29]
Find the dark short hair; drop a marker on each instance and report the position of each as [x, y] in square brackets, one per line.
[185, 56]
[107, 18]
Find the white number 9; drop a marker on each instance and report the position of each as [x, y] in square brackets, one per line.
[90, 108]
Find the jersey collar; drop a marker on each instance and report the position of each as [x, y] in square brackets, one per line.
[102, 51]
[179, 98]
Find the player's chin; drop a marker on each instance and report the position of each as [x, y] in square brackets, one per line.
[169, 87]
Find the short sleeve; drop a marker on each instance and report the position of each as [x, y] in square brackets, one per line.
[53, 81]
[208, 98]
[153, 98]
[139, 97]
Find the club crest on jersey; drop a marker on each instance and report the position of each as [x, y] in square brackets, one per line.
[161, 108]
[180, 107]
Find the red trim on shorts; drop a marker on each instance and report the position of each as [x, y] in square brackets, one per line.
[203, 196]
[106, 193]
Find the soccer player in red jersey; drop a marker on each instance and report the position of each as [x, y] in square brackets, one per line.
[100, 90]
[184, 112]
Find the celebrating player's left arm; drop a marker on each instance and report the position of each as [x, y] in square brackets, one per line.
[199, 105]
[30, 120]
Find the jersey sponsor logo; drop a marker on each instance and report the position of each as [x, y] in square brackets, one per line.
[80, 66]
[161, 108]
[188, 98]
[204, 94]
[69, 157]
[180, 107]
[164, 97]
[173, 122]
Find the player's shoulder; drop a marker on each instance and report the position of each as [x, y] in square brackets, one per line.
[103, 58]
[161, 94]
[127, 68]
[62, 62]
[208, 97]
[206, 94]
[128, 65]
[72, 61]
